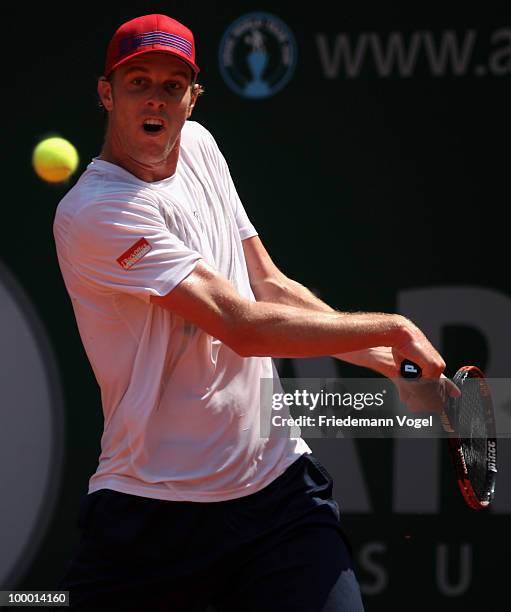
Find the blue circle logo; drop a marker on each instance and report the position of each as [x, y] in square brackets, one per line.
[257, 55]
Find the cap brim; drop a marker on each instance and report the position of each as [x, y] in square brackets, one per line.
[194, 67]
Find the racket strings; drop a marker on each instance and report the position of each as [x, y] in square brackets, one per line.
[473, 435]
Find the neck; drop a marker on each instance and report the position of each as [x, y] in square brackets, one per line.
[147, 172]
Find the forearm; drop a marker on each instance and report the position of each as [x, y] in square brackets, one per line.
[286, 331]
[280, 289]
[283, 290]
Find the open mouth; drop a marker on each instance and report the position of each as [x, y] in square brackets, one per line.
[153, 126]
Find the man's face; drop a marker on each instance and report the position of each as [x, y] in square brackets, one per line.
[148, 101]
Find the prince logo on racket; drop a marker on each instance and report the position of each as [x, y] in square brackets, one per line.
[492, 456]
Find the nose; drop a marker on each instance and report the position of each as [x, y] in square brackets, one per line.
[156, 97]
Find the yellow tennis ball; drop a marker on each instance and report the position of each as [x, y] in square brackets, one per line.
[55, 159]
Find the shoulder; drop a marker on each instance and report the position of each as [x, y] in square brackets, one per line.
[76, 200]
[199, 146]
[195, 131]
[195, 137]
[102, 197]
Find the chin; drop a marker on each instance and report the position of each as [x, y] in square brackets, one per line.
[150, 156]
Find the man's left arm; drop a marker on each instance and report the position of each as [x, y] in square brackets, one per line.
[269, 284]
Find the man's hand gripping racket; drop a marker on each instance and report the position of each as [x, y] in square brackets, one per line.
[468, 419]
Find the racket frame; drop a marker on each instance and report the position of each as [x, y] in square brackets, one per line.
[456, 444]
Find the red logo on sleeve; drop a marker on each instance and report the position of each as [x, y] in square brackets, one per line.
[134, 253]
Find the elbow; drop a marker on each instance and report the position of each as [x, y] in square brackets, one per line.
[241, 341]
[242, 351]
[239, 328]
[240, 335]
[248, 349]
[252, 346]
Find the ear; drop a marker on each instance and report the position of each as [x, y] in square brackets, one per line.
[193, 101]
[105, 93]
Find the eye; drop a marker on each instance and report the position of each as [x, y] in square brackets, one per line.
[174, 85]
[137, 80]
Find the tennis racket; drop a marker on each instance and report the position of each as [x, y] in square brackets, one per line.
[469, 422]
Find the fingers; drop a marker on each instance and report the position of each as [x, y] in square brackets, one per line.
[434, 389]
[421, 352]
[434, 367]
[429, 395]
[452, 389]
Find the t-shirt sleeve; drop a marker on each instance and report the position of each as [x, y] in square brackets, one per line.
[245, 227]
[126, 246]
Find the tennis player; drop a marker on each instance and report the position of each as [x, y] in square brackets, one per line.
[180, 310]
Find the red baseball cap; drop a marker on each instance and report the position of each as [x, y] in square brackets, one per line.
[151, 33]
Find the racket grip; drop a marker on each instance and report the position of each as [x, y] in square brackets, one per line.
[412, 371]
[409, 369]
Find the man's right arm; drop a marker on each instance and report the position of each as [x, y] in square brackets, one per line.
[208, 300]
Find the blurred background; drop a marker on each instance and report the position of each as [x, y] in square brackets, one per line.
[371, 152]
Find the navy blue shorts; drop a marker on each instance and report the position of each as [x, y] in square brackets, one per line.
[280, 549]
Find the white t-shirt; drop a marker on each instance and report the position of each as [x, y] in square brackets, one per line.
[181, 409]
